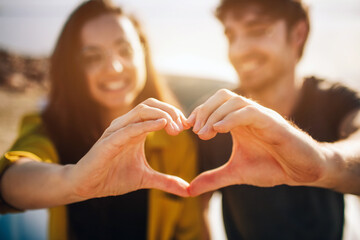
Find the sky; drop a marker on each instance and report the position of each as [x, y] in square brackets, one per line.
[186, 39]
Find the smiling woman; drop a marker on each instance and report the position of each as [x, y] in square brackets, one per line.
[97, 141]
[114, 61]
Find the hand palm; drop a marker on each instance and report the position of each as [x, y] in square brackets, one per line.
[254, 160]
[267, 151]
[116, 164]
[105, 175]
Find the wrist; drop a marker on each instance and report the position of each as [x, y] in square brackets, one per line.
[333, 165]
[70, 186]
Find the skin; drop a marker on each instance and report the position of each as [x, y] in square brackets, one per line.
[264, 54]
[267, 149]
[259, 50]
[114, 62]
[116, 164]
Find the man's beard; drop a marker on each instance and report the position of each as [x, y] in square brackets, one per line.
[260, 84]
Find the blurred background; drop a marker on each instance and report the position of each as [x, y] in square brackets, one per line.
[189, 49]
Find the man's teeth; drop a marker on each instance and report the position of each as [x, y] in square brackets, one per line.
[250, 65]
[114, 85]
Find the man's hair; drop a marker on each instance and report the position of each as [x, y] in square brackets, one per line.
[292, 11]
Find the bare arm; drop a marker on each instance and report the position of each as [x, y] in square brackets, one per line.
[346, 155]
[30, 184]
[269, 151]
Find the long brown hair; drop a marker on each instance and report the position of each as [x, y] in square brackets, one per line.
[72, 117]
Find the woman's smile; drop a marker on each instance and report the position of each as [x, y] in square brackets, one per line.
[114, 61]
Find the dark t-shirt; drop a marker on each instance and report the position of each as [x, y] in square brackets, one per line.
[285, 212]
[118, 217]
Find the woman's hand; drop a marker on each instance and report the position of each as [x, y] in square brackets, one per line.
[267, 149]
[116, 164]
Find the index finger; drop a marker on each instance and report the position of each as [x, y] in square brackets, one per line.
[175, 113]
[200, 115]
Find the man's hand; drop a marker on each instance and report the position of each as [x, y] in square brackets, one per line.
[267, 149]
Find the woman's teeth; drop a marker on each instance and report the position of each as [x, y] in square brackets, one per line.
[113, 86]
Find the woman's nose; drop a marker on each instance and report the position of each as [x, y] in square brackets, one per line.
[114, 64]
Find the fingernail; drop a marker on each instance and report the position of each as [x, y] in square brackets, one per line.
[184, 122]
[180, 124]
[203, 130]
[175, 126]
[191, 118]
[219, 123]
[196, 128]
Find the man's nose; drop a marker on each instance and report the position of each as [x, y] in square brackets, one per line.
[240, 47]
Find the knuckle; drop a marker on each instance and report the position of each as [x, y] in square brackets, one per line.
[114, 122]
[141, 106]
[250, 109]
[150, 100]
[238, 101]
[237, 98]
[224, 93]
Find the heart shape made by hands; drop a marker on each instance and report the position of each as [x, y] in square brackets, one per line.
[267, 149]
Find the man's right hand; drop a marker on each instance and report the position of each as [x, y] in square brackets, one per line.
[267, 149]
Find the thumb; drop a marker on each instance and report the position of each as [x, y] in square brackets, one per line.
[167, 183]
[211, 180]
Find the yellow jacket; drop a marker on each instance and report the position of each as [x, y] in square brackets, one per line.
[169, 217]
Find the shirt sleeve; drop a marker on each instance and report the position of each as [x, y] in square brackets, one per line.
[33, 143]
[348, 102]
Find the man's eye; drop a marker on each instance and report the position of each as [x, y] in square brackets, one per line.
[258, 32]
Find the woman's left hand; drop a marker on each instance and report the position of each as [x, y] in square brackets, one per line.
[116, 164]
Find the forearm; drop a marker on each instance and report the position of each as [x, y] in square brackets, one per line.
[29, 185]
[344, 157]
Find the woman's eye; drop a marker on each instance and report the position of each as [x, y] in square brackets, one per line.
[92, 58]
